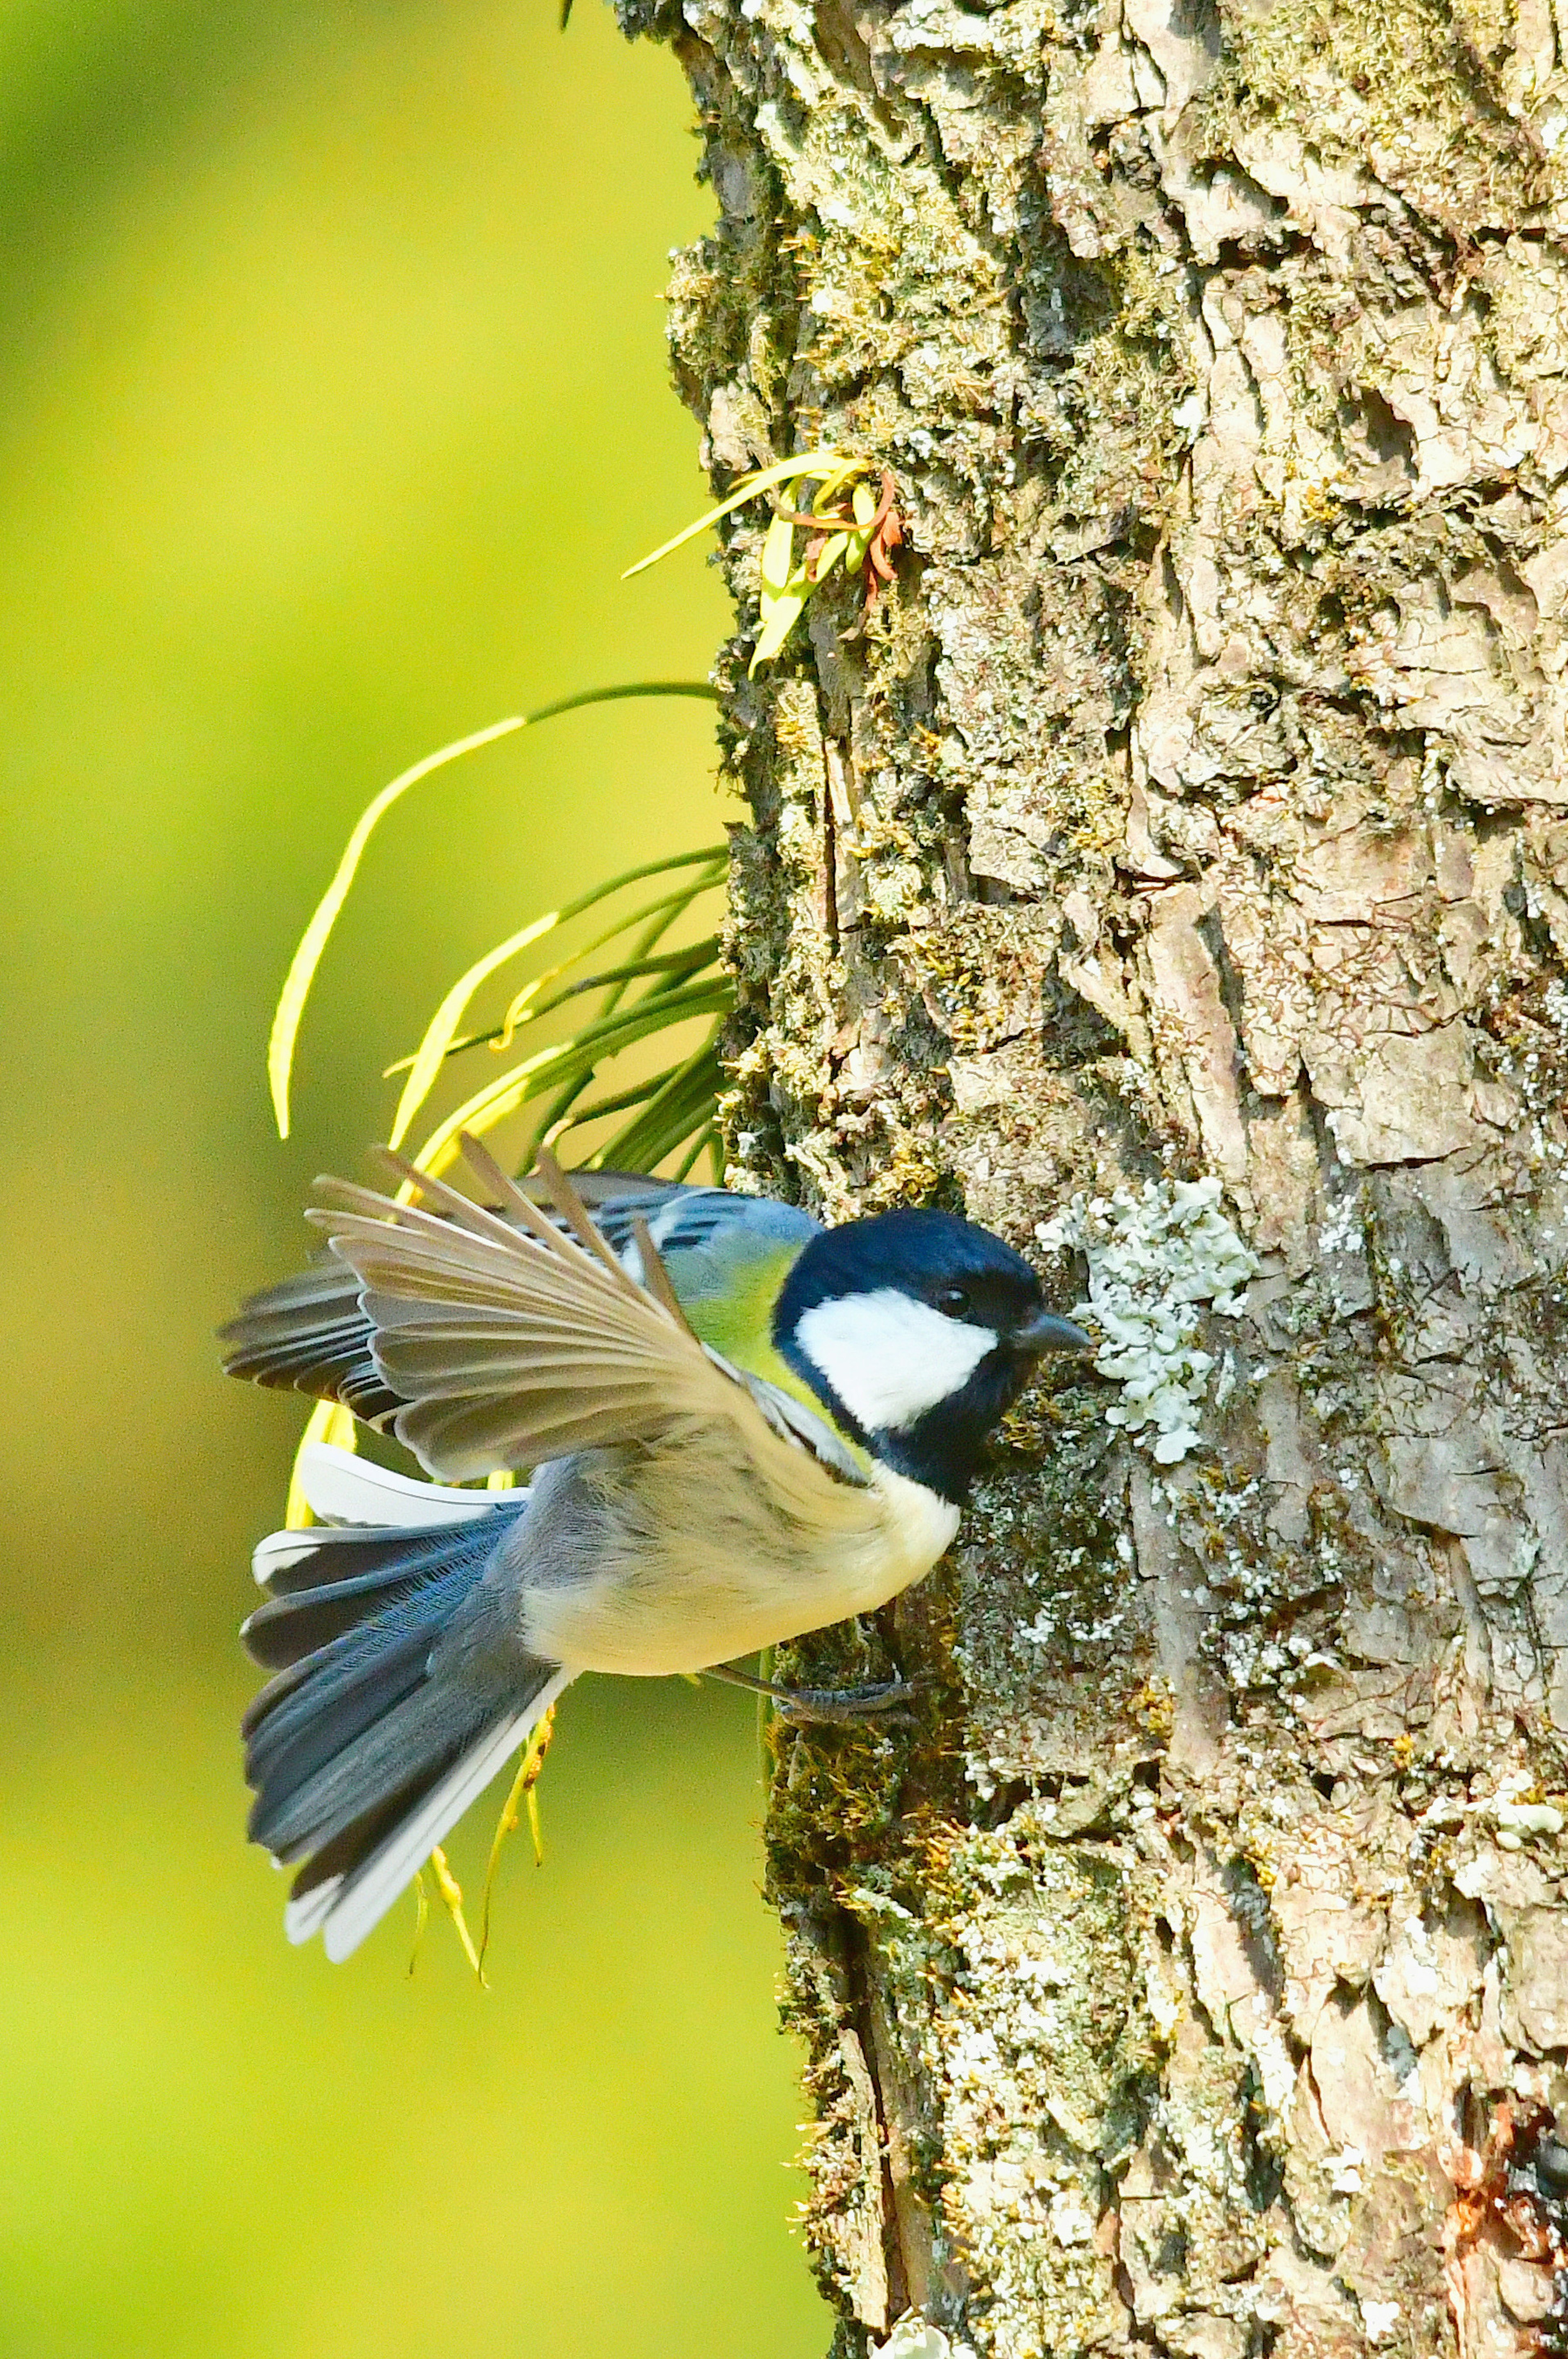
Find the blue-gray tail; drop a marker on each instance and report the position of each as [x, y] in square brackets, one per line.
[392, 1703]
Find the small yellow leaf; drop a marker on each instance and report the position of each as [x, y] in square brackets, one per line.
[863, 501]
[828, 490]
[784, 592]
[778, 549]
[830, 556]
[780, 617]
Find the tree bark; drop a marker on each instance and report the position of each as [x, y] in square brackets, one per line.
[1192, 1977]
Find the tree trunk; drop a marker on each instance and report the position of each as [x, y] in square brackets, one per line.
[1194, 1976]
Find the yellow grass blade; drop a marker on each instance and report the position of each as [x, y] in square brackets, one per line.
[596, 1041]
[313, 941]
[479, 1114]
[815, 462]
[442, 1029]
[523, 1009]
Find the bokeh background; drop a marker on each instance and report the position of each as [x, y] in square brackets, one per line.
[334, 402]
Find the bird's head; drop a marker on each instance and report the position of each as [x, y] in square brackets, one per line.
[917, 1330]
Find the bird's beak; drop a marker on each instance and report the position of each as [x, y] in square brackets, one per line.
[1047, 1332]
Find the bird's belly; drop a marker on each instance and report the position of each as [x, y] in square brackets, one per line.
[671, 1591]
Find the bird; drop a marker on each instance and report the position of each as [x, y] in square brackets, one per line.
[739, 1426]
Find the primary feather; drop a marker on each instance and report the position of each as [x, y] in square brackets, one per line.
[727, 1257]
[511, 1349]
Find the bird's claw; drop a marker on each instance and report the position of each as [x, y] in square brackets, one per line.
[888, 1700]
[885, 1700]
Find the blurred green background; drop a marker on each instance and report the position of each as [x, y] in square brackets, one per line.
[334, 401]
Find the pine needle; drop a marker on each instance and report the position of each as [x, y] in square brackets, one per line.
[524, 1792]
[451, 1892]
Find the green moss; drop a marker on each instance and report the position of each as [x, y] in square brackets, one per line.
[1398, 85]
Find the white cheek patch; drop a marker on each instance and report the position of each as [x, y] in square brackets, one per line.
[888, 1358]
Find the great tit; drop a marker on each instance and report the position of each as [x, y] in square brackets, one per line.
[745, 1427]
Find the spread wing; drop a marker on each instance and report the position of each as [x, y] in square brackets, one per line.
[309, 1334]
[511, 1340]
[723, 1252]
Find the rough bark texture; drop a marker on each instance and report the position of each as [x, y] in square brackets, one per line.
[1193, 1978]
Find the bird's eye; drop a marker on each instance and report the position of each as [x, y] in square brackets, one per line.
[954, 1302]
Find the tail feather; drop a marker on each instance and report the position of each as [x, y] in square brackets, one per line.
[308, 1913]
[375, 1730]
[303, 1621]
[317, 1885]
[334, 1579]
[347, 1685]
[318, 1557]
[329, 1706]
[343, 1488]
[369, 1888]
[428, 1729]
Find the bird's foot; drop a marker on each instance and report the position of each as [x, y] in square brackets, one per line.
[885, 1699]
[889, 1702]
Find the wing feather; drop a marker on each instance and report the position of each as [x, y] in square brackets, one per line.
[512, 1346]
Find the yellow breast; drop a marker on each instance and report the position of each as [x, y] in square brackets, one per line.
[695, 1565]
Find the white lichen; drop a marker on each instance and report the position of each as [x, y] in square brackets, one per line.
[1157, 1261]
[1517, 1810]
[1342, 1231]
[913, 2338]
[1071, 2222]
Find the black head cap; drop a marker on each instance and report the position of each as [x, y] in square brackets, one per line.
[917, 1330]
